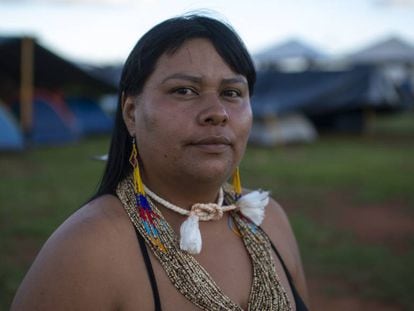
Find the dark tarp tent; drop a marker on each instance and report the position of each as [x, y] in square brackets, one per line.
[322, 94]
[391, 50]
[50, 70]
[396, 57]
[111, 74]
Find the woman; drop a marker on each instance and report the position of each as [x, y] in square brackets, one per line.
[164, 230]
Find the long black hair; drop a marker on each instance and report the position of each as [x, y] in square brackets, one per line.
[166, 37]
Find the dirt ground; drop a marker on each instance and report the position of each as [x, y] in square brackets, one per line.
[321, 301]
[387, 224]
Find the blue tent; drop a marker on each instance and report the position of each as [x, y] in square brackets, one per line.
[11, 137]
[90, 118]
[50, 124]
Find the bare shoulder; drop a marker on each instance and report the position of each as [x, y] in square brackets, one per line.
[75, 268]
[276, 224]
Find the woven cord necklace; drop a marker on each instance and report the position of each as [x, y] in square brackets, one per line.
[191, 279]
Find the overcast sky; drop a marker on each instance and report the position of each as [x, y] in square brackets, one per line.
[102, 31]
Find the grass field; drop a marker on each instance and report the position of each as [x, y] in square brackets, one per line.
[41, 187]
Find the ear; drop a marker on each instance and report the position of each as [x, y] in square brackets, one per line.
[128, 112]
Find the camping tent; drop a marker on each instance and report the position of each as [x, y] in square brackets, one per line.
[11, 137]
[53, 122]
[90, 118]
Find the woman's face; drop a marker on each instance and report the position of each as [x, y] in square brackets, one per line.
[193, 117]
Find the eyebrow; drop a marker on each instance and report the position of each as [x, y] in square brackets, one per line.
[196, 79]
[239, 79]
[182, 76]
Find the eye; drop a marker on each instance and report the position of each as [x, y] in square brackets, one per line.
[231, 93]
[184, 91]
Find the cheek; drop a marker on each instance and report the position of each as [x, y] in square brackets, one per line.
[146, 120]
[146, 131]
[158, 132]
[244, 123]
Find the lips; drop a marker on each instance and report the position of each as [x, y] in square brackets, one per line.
[212, 144]
[213, 140]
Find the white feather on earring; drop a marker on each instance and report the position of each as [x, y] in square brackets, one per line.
[253, 204]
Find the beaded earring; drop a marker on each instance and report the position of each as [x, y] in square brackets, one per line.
[145, 211]
[236, 183]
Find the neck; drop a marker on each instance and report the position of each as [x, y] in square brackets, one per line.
[184, 194]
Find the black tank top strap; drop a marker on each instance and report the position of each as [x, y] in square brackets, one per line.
[300, 305]
[150, 271]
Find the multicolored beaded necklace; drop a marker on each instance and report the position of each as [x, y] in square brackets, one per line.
[185, 273]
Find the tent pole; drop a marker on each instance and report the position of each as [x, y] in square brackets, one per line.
[26, 84]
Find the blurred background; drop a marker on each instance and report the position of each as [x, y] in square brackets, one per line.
[333, 135]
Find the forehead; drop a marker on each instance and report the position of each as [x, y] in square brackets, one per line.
[197, 56]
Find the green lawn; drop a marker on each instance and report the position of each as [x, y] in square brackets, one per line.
[41, 187]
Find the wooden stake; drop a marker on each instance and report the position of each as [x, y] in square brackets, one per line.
[26, 84]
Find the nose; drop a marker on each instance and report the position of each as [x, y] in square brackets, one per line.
[214, 114]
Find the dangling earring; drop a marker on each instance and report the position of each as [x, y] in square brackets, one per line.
[145, 211]
[133, 159]
[236, 183]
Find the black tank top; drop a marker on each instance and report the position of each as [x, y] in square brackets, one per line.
[300, 305]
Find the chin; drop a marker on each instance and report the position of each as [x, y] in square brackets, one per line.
[210, 169]
[214, 173]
